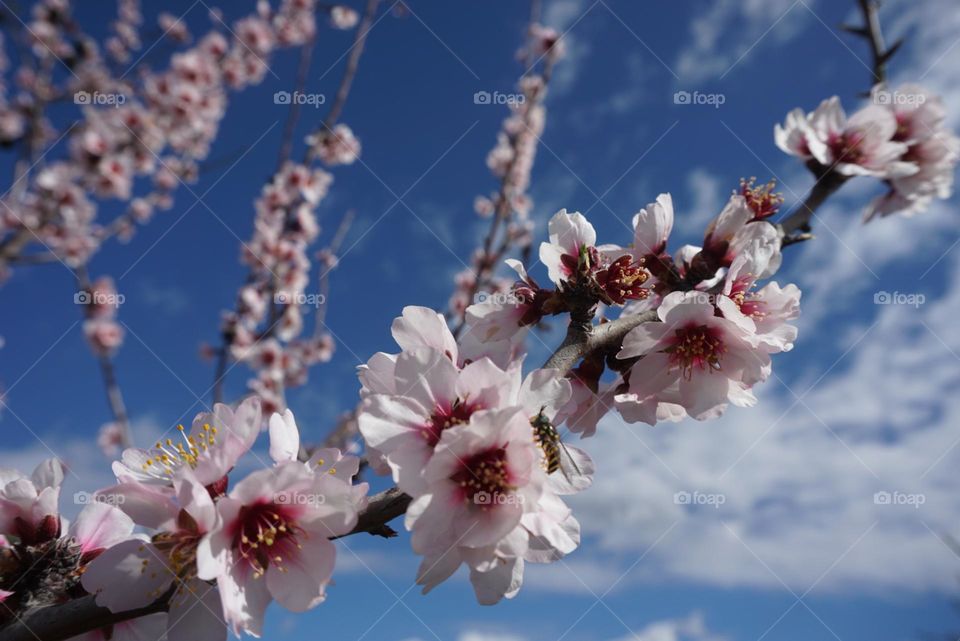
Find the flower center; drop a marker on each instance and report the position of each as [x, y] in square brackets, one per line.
[444, 417]
[762, 200]
[484, 478]
[847, 147]
[747, 301]
[696, 346]
[167, 456]
[624, 280]
[264, 534]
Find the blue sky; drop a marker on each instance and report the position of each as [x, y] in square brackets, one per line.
[866, 402]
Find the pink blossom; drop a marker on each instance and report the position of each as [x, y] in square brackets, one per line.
[490, 505]
[215, 443]
[134, 572]
[343, 17]
[432, 396]
[570, 236]
[28, 505]
[692, 358]
[271, 541]
[337, 146]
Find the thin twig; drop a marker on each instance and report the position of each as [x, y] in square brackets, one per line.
[114, 396]
[293, 115]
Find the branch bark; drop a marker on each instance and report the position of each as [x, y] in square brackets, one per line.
[67, 620]
[580, 342]
[799, 219]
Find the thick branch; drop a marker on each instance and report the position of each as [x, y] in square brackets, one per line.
[578, 342]
[70, 619]
[67, 620]
[381, 509]
[799, 219]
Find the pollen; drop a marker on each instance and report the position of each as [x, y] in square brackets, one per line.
[696, 347]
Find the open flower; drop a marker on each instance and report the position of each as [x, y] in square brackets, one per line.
[861, 145]
[432, 395]
[136, 571]
[215, 443]
[693, 358]
[272, 541]
[762, 314]
[491, 506]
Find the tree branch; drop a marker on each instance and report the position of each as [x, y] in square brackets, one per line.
[579, 342]
[70, 619]
[66, 620]
[799, 219]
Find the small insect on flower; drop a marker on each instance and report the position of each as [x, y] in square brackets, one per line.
[548, 438]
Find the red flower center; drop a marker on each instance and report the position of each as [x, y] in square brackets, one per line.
[847, 147]
[696, 346]
[484, 478]
[444, 417]
[266, 533]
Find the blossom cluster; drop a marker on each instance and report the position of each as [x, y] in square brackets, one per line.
[218, 555]
[264, 329]
[152, 123]
[475, 444]
[716, 328]
[900, 138]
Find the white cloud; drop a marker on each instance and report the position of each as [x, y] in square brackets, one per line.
[689, 628]
[705, 195]
[730, 30]
[798, 478]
